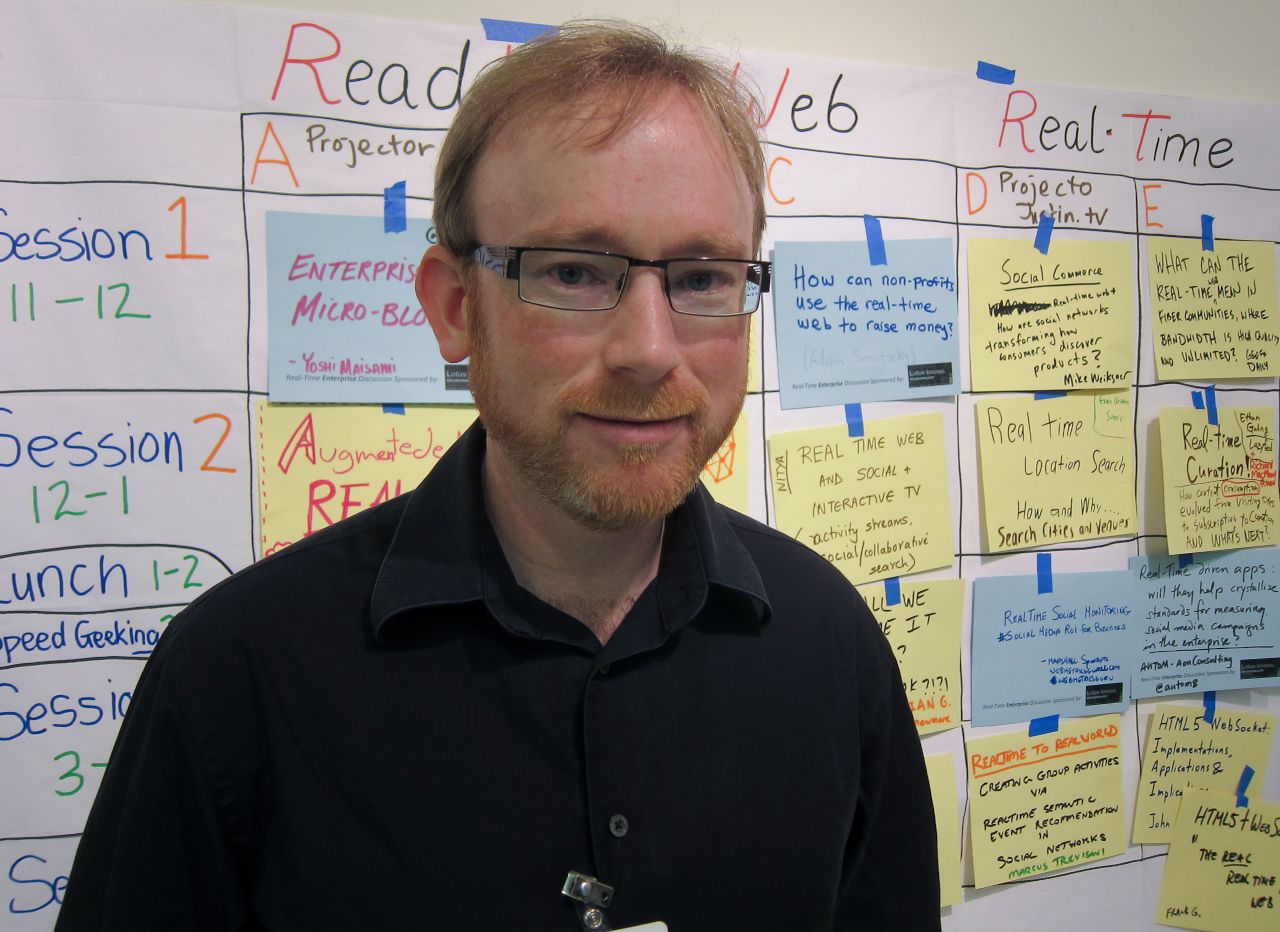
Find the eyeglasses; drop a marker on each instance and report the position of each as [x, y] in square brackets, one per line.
[586, 280]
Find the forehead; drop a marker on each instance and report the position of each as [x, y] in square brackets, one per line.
[653, 168]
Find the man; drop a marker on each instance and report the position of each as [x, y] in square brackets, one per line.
[558, 654]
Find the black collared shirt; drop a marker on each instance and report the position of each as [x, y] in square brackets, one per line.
[378, 728]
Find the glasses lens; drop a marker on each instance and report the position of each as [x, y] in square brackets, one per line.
[574, 281]
[711, 288]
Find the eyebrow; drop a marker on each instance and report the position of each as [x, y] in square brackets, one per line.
[599, 238]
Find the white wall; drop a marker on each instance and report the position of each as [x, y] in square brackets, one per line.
[1224, 49]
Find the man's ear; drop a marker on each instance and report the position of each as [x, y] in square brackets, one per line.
[441, 288]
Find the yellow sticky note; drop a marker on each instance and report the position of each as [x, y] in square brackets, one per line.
[877, 505]
[1058, 321]
[946, 814]
[1044, 803]
[1057, 469]
[1219, 481]
[1223, 869]
[1183, 750]
[923, 627]
[1214, 312]
[725, 475]
[318, 464]
[754, 385]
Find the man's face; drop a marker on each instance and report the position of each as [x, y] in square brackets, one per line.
[609, 415]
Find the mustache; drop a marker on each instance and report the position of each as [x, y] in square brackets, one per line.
[622, 401]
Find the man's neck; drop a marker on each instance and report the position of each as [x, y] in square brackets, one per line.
[591, 574]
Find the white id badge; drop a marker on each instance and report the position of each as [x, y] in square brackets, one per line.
[647, 927]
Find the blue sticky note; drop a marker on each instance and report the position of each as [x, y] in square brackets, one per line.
[1044, 230]
[393, 409]
[892, 591]
[1044, 573]
[1210, 705]
[1199, 634]
[1211, 404]
[1066, 652]
[875, 240]
[511, 30]
[1042, 726]
[344, 324]
[853, 417]
[849, 331]
[1206, 232]
[1045, 396]
[995, 74]
[393, 208]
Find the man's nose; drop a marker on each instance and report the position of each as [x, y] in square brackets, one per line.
[642, 340]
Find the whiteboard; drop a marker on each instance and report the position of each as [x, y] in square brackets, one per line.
[139, 346]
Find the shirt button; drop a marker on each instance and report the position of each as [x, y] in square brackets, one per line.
[602, 670]
[618, 825]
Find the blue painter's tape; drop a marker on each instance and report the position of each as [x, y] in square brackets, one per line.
[892, 591]
[1043, 232]
[1210, 706]
[994, 73]
[1242, 787]
[1041, 396]
[1206, 232]
[511, 30]
[853, 417]
[393, 409]
[1211, 404]
[1185, 560]
[1044, 573]
[875, 240]
[393, 217]
[1197, 399]
[1042, 726]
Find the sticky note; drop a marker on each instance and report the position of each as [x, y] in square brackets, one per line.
[1065, 652]
[1056, 470]
[876, 505]
[343, 324]
[318, 464]
[946, 816]
[1183, 750]
[923, 628]
[1219, 480]
[1214, 314]
[1062, 321]
[727, 474]
[1223, 868]
[1208, 625]
[1041, 804]
[851, 331]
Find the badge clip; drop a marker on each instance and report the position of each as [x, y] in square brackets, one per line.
[592, 897]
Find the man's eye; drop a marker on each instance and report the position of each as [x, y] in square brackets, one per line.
[702, 281]
[572, 275]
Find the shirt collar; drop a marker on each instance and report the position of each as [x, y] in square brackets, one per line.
[444, 552]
